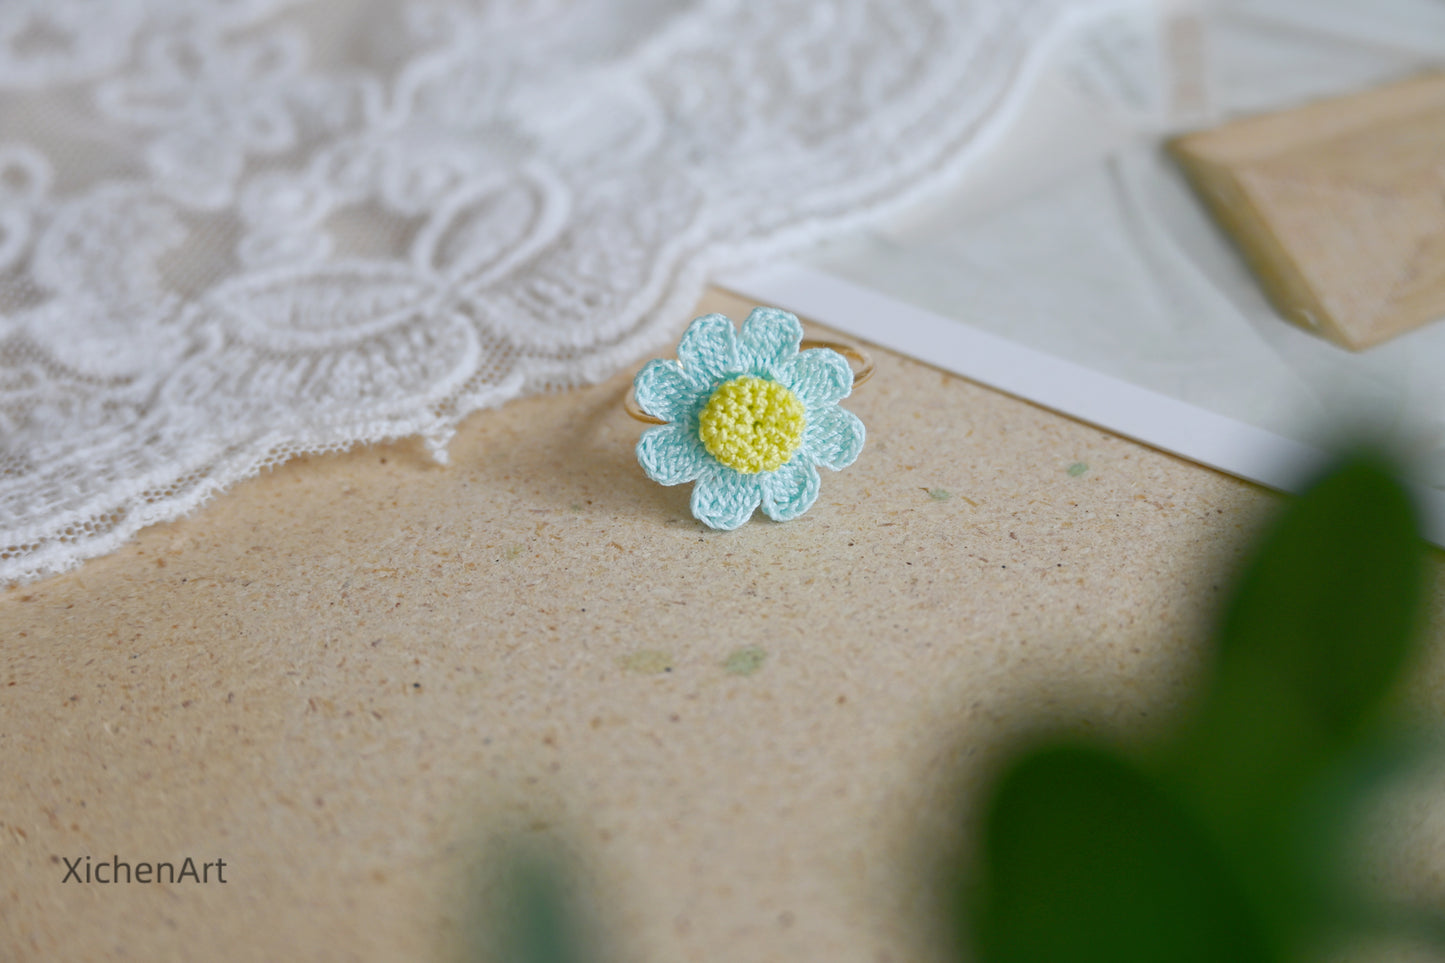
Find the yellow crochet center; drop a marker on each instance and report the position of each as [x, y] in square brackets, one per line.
[751, 424]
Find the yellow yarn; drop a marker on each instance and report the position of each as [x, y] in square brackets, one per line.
[752, 425]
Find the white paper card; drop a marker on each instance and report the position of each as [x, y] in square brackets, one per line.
[1072, 266]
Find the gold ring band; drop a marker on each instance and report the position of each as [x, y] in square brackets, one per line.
[861, 373]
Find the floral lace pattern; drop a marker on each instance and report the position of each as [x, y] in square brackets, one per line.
[238, 230]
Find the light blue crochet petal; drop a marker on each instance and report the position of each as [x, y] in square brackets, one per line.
[769, 341]
[672, 455]
[819, 376]
[662, 391]
[791, 490]
[723, 498]
[834, 437]
[708, 351]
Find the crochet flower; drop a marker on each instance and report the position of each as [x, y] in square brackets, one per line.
[749, 418]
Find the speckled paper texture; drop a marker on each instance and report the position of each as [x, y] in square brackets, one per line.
[347, 675]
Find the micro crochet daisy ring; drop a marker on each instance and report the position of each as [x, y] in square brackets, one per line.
[748, 417]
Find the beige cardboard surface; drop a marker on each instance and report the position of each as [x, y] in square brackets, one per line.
[344, 676]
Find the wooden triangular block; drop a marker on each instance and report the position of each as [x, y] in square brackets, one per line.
[1339, 207]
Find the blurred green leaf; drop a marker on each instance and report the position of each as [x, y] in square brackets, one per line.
[1085, 858]
[1226, 843]
[1321, 624]
[538, 921]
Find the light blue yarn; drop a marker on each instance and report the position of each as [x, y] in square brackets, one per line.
[713, 352]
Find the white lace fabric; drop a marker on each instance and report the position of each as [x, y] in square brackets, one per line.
[236, 231]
